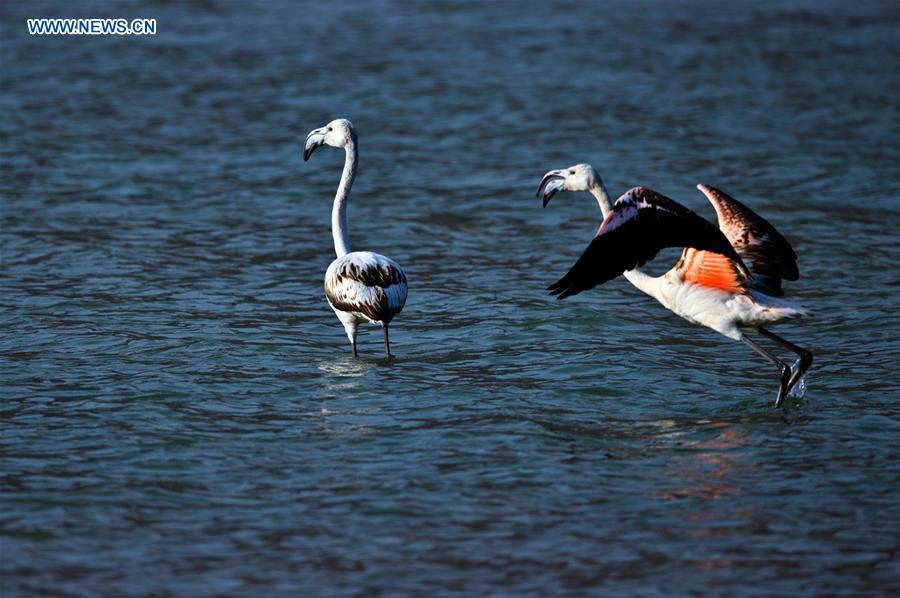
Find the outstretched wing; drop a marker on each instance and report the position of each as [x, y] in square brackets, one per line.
[769, 255]
[641, 223]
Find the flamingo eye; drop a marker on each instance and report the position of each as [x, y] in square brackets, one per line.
[329, 128]
[571, 172]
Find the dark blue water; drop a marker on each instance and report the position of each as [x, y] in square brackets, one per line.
[179, 412]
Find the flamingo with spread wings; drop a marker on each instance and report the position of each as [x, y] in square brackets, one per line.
[728, 278]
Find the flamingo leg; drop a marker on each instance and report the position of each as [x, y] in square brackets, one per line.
[387, 342]
[353, 341]
[784, 369]
[806, 358]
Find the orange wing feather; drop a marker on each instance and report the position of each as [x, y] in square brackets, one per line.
[711, 270]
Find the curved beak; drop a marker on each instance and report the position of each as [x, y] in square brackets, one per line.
[553, 182]
[313, 140]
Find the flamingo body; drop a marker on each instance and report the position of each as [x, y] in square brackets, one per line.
[725, 310]
[365, 287]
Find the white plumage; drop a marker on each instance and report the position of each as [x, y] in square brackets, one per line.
[723, 311]
[360, 286]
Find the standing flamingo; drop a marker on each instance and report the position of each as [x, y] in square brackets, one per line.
[360, 286]
[710, 285]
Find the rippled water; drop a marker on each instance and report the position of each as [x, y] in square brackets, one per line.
[180, 412]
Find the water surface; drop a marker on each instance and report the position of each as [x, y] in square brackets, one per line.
[180, 413]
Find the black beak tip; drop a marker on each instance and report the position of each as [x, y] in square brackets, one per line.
[306, 154]
[548, 197]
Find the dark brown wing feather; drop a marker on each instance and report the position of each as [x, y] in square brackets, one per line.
[770, 257]
[641, 223]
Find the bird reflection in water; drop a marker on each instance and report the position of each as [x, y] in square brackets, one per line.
[344, 368]
[709, 468]
[709, 473]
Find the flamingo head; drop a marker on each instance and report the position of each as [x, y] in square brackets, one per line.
[337, 133]
[580, 177]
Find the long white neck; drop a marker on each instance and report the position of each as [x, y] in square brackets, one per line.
[646, 283]
[643, 281]
[339, 211]
[598, 190]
